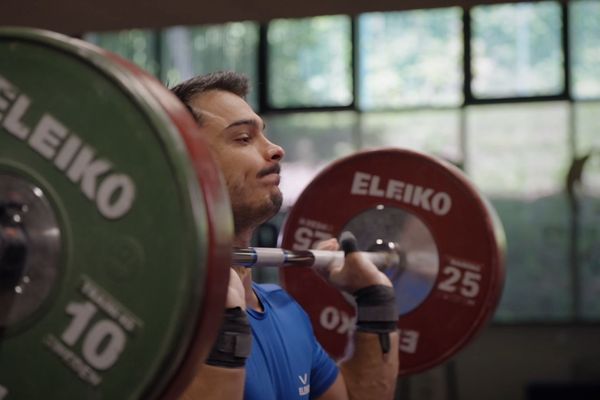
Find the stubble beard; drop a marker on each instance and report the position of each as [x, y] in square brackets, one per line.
[248, 216]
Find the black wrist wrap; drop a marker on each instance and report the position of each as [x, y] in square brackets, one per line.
[234, 341]
[376, 312]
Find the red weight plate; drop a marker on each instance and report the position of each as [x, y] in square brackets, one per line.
[451, 242]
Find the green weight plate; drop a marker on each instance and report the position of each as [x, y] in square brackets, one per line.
[217, 212]
[112, 292]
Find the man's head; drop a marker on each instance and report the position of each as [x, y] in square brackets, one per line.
[227, 81]
[248, 160]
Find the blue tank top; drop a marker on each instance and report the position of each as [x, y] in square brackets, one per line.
[286, 361]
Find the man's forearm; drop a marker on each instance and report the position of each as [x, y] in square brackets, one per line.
[223, 375]
[368, 372]
[216, 383]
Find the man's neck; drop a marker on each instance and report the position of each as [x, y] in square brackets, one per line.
[243, 240]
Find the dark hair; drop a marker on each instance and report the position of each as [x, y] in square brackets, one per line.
[228, 81]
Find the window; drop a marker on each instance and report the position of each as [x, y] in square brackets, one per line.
[189, 51]
[312, 141]
[587, 125]
[588, 212]
[516, 50]
[518, 150]
[517, 155]
[435, 132]
[584, 24]
[410, 59]
[309, 62]
[138, 46]
[588, 250]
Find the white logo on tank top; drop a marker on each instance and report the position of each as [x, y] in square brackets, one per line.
[304, 390]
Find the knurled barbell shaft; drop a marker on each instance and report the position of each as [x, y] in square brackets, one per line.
[274, 257]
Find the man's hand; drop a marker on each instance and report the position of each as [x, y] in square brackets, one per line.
[370, 370]
[355, 273]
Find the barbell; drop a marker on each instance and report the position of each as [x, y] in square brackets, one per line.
[269, 257]
[116, 234]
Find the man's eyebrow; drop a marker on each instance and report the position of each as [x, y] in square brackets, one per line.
[251, 122]
[197, 114]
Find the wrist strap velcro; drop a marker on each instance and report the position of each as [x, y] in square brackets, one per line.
[376, 309]
[234, 341]
[377, 313]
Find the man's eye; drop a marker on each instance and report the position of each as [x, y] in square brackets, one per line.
[243, 139]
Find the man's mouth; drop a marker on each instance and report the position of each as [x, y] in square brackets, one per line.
[274, 169]
[270, 175]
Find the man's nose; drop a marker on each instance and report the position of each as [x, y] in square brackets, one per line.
[275, 152]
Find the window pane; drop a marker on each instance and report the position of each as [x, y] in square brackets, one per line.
[516, 50]
[136, 45]
[309, 62]
[518, 155]
[410, 58]
[311, 141]
[588, 127]
[588, 143]
[518, 150]
[585, 48]
[202, 49]
[432, 131]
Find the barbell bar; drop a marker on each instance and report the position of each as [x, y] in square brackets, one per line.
[276, 257]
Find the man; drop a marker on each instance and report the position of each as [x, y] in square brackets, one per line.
[285, 361]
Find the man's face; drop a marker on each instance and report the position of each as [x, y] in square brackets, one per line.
[248, 160]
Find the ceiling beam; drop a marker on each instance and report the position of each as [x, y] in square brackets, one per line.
[75, 17]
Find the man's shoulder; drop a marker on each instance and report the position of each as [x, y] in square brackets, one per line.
[268, 287]
[274, 293]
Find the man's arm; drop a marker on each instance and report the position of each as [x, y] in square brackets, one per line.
[370, 371]
[219, 382]
[216, 383]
